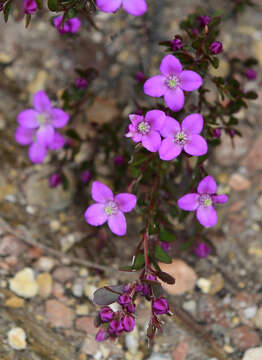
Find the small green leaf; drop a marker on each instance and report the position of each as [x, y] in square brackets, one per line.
[52, 5]
[27, 20]
[215, 62]
[252, 95]
[166, 277]
[166, 236]
[73, 134]
[7, 10]
[139, 261]
[39, 3]
[161, 255]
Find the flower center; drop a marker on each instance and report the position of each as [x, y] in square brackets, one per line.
[181, 138]
[172, 81]
[111, 208]
[144, 127]
[42, 119]
[205, 200]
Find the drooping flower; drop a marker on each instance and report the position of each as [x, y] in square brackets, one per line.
[216, 47]
[102, 335]
[146, 129]
[55, 180]
[176, 44]
[202, 250]
[140, 77]
[133, 7]
[203, 202]
[251, 74]
[115, 327]
[119, 160]
[160, 306]
[30, 6]
[203, 20]
[109, 208]
[81, 83]
[172, 83]
[43, 119]
[182, 137]
[106, 314]
[128, 323]
[70, 26]
[217, 133]
[86, 176]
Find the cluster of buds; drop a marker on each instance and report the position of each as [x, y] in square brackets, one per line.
[114, 323]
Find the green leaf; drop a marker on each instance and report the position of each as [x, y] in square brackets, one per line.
[161, 255]
[139, 261]
[166, 236]
[7, 10]
[252, 95]
[53, 5]
[166, 277]
[39, 3]
[215, 62]
[73, 134]
[27, 20]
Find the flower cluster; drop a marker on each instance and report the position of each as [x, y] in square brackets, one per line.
[70, 26]
[133, 7]
[37, 127]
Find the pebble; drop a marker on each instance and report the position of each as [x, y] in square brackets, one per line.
[90, 346]
[184, 275]
[15, 302]
[190, 306]
[258, 319]
[10, 245]
[82, 309]
[63, 274]
[45, 284]
[55, 225]
[253, 354]
[86, 324]
[204, 285]
[58, 314]
[45, 263]
[159, 356]
[24, 283]
[253, 161]
[132, 341]
[250, 312]
[243, 337]
[17, 338]
[239, 182]
[216, 283]
[78, 288]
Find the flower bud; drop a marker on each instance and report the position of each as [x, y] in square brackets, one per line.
[128, 323]
[217, 133]
[55, 180]
[131, 308]
[119, 160]
[106, 314]
[81, 83]
[216, 47]
[140, 77]
[102, 335]
[251, 74]
[124, 300]
[203, 20]
[202, 250]
[115, 327]
[160, 306]
[86, 176]
[166, 246]
[176, 44]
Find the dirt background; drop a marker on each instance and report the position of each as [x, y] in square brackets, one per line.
[43, 229]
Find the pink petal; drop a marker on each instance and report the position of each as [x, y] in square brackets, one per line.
[220, 199]
[136, 8]
[101, 193]
[207, 216]
[41, 101]
[151, 141]
[57, 143]
[189, 202]
[125, 201]
[190, 80]
[171, 128]
[135, 119]
[137, 137]
[196, 146]
[45, 135]
[117, 224]
[174, 99]
[156, 119]
[169, 150]
[207, 186]
[155, 86]
[60, 118]
[193, 124]
[28, 119]
[24, 136]
[37, 153]
[170, 65]
[95, 215]
[74, 25]
[108, 5]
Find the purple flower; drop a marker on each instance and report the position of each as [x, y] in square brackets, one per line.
[115, 327]
[128, 323]
[119, 160]
[182, 137]
[176, 44]
[131, 308]
[86, 176]
[55, 180]
[106, 314]
[43, 118]
[102, 335]
[203, 202]
[203, 20]
[109, 208]
[30, 6]
[81, 83]
[140, 77]
[251, 74]
[133, 7]
[166, 246]
[70, 26]
[139, 287]
[202, 250]
[172, 83]
[216, 47]
[124, 300]
[160, 306]
[146, 129]
[217, 133]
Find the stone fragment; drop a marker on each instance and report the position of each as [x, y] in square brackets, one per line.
[243, 337]
[10, 245]
[258, 319]
[24, 283]
[90, 346]
[58, 314]
[132, 341]
[17, 338]
[82, 309]
[15, 302]
[239, 182]
[204, 285]
[45, 284]
[45, 263]
[184, 275]
[180, 351]
[63, 274]
[253, 354]
[159, 356]
[216, 283]
[253, 161]
[86, 324]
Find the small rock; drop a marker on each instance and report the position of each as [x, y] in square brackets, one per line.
[253, 354]
[180, 351]
[90, 346]
[132, 341]
[253, 161]
[24, 284]
[10, 245]
[78, 288]
[58, 290]
[55, 225]
[222, 70]
[82, 309]
[216, 283]
[190, 306]
[250, 312]
[86, 324]
[63, 274]
[243, 337]
[258, 319]
[17, 338]
[45, 284]
[239, 182]
[204, 285]
[58, 314]
[185, 277]
[45, 263]
[15, 302]
[159, 356]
